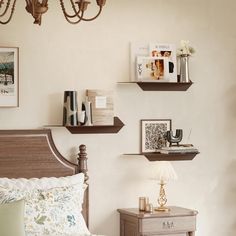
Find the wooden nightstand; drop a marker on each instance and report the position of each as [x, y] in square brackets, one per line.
[177, 222]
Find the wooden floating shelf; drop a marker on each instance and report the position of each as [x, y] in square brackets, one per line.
[96, 129]
[161, 86]
[168, 157]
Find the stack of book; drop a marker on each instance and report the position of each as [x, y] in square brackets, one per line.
[178, 150]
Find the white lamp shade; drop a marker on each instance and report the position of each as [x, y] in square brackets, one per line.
[165, 171]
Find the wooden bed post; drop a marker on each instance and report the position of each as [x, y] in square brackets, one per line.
[82, 168]
[82, 162]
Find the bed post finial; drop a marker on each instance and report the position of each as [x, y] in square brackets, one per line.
[82, 162]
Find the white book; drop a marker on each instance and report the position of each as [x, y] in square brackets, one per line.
[153, 69]
[178, 149]
[136, 50]
[169, 52]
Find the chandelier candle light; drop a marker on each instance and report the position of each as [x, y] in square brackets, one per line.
[38, 7]
[165, 172]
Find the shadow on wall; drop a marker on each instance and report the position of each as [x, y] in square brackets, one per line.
[55, 109]
[111, 223]
[230, 98]
[229, 199]
[222, 203]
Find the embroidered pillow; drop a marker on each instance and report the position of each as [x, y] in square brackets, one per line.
[50, 212]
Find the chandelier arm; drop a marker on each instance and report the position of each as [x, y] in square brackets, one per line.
[74, 8]
[77, 13]
[93, 18]
[7, 7]
[74, 22]
[12, 11]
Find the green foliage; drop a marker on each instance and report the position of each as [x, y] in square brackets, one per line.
[40, 219]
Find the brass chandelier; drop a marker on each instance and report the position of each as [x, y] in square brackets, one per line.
[38, 7]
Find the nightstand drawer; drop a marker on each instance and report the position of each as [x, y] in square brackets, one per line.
[168, 224]
[177, 222]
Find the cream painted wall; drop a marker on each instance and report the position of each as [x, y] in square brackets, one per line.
[58, 56]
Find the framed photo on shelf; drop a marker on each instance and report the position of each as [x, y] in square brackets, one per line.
[153, 62]
[168, 51]
[152, 69]
[153, 134]
[9, 77]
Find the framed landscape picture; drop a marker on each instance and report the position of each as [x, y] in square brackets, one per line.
[153, 134]
[9, 77]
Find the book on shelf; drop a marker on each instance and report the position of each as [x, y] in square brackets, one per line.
[102, 107]
[167, 51]
[153, 62]
[149, 69]
[178, 149]
[137, 49]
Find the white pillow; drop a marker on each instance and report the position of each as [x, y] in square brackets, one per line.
[42, 183]
[50, 212]
[65, 235]
[32, 234]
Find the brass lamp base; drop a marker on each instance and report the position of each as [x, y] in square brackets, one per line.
[162, 200]
[162, 209]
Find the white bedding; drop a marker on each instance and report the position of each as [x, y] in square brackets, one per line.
[31, 190]
[67, 235]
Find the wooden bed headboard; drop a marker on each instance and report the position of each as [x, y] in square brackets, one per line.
[33, 154]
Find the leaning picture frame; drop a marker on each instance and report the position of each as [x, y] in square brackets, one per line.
[152, 69]
[153, 134]
[9, 76]
[168, 51]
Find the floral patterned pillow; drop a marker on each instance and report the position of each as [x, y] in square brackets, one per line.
[50, 212]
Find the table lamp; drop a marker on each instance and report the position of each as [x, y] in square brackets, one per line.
[165, 172]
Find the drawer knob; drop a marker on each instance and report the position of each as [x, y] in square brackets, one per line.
[168, 225]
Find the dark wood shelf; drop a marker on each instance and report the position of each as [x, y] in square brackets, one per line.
[161, 86]
[167, 157]
[96, 129]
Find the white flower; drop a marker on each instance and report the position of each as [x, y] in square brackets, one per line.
[185, 48]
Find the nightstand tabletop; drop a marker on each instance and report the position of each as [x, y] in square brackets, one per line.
[174, 211]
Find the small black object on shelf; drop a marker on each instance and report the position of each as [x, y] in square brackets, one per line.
[177, 138]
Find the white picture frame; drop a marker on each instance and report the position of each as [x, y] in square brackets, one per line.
[152, 69]
[9, 77]
[169, 52]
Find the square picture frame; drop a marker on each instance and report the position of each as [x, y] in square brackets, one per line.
[153, 134]
[9, 76]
